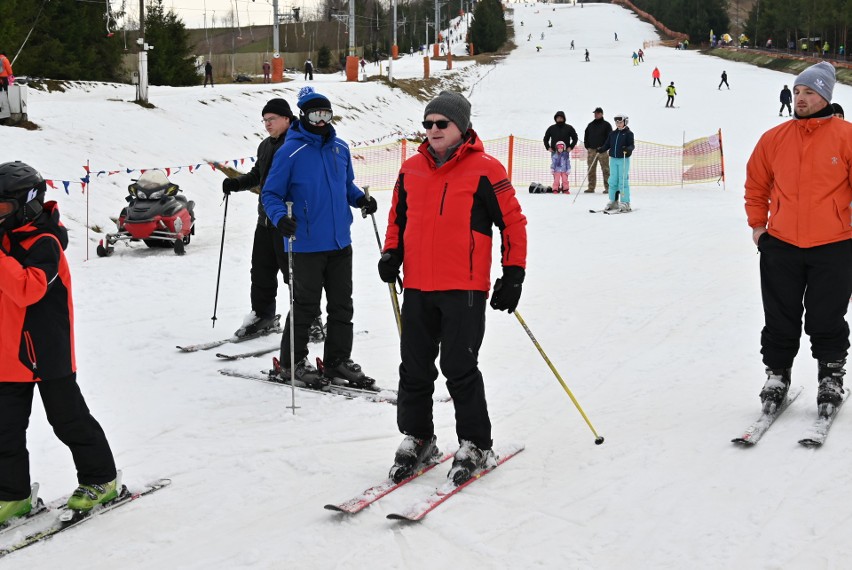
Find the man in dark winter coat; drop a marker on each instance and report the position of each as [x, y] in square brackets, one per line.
[595, 136]
[313, 170]
[309, 69]
[208, 74]
[267, 252]
[724, 80]
[786, 99]
[560, 131]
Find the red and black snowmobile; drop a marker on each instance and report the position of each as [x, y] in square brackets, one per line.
[157, 213]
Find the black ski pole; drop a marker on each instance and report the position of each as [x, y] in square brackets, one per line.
[219, 271]
[393, 292]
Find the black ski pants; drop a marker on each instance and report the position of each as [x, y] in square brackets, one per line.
[72, 423]
[816, 282]
[267, 259]
[312, 273]
[787, 105]
[454, 322]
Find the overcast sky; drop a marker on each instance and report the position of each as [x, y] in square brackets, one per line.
[257, 12]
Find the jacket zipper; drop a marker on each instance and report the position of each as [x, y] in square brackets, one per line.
[28, 340]
[443, 197]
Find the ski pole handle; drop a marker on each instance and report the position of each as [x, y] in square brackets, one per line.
[366, 195]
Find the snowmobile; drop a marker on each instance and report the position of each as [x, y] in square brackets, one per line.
[157, 213]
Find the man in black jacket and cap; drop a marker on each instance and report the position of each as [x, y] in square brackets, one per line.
[267, 253]
[560, 131]
[597, 133]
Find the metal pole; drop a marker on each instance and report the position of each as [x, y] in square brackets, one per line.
[275, 42]
[221, 250]
[292, 331]
[589, 171]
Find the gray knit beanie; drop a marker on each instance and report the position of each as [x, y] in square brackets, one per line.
[820, 78]
[453, 106]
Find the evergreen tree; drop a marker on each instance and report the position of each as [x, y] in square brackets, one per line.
[171, 62]
[69, 40]
[488, 31]
[324, 58]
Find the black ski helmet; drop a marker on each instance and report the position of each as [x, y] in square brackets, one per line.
[22, 189]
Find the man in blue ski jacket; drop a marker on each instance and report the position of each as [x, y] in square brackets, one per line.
[620, 145]
[313, 170]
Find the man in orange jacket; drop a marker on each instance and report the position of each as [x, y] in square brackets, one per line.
[446, 201]
[798, 193]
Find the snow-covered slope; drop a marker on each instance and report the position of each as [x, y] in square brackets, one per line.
[652, 319]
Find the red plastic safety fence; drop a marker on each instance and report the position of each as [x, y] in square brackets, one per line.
[652, 164]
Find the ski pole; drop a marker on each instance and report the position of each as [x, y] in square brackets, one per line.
[393, 293]
[589, 171]
[598, 438]
[219, 271]
[292, 303]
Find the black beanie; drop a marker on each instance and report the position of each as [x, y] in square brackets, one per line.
[278, 106]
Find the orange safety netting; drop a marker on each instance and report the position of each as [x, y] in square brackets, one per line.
[527, 161]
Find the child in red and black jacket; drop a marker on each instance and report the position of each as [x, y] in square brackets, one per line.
[37, 348]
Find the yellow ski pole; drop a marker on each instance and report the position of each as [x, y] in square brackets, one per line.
[392, 286]
[598, 438]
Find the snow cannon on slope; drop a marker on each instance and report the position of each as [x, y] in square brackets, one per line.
[157, 213]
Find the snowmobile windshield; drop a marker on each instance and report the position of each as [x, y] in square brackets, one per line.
[152, 185]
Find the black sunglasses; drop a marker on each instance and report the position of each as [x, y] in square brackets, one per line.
[440, 124]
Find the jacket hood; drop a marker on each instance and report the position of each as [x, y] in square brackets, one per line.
[47, 222]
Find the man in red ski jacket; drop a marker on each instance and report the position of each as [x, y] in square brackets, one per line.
[446, 201]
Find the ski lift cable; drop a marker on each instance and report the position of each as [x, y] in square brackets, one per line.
[40, 10]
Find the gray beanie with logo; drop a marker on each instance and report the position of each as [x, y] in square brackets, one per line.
[820, 78]
[453, 106]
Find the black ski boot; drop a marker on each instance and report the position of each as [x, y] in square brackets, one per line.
[830, 393]
[255, 325]
[306, 376]
[775, 390]
[468, 460]
[412, 454]
[347, 371]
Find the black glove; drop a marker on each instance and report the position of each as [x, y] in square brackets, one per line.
[507, 290]
[389, 265]
[367, 204]
[627, 153]
[230, 185]
[287, 227]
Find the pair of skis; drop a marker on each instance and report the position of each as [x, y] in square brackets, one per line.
[46, 521]
[612, 212]
[418, 509]
[814, 436]
[269, 377]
